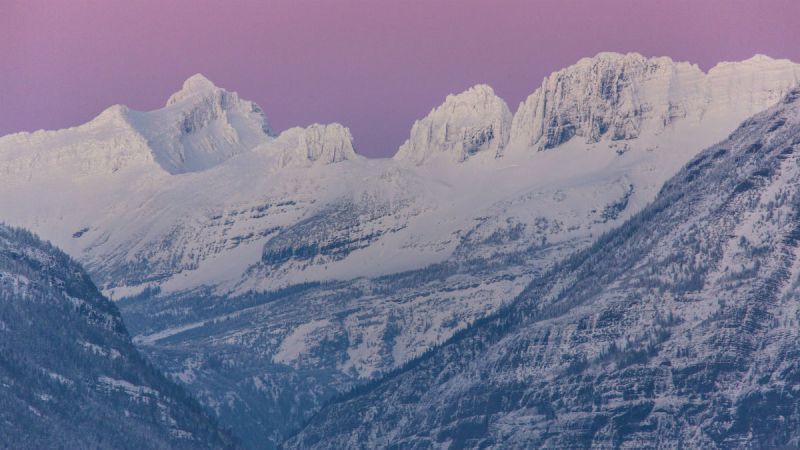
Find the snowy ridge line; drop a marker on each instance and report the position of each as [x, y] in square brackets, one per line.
[201, 193]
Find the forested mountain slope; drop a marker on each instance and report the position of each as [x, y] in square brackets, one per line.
[70, 376]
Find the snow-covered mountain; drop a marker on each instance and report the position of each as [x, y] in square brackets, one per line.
[165, 198]
[617, 97]
[271, 272]
[474, 121]
[315, 145]
[200, 127]
[678, 329]
[70, 376]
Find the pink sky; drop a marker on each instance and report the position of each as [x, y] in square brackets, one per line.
[373, 65]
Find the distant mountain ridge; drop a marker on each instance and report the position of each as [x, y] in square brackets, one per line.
[620, 97]
[206, 136]
[611, 96]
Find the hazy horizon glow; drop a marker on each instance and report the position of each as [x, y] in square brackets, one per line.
[372, 65]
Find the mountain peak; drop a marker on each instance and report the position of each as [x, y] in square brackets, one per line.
[316, 144]
[619, 60]
[113, 114]
[194, 85]
[613, 56]
[597, 97]
[201, 126]
[758, 57]
[757, 66]
[198, 79]
[474, 93]
[473, 121]
[614, 96]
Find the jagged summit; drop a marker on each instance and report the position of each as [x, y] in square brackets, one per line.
[196, 84]
[620, 58]
[201, 102]
[757, 59]
[638, 58]
[473, 121]
[480, 90]
[201, 126]
[760, 57]
[615, 97]
[608, 97]
[316, 144]
[114, 113]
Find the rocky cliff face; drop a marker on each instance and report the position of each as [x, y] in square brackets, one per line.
[680, 328]
[201, 126]
[473, 121]
[69, 374]
[315, 145]
[608, 97]
[620, 97]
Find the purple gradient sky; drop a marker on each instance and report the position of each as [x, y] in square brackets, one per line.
[373, 65]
